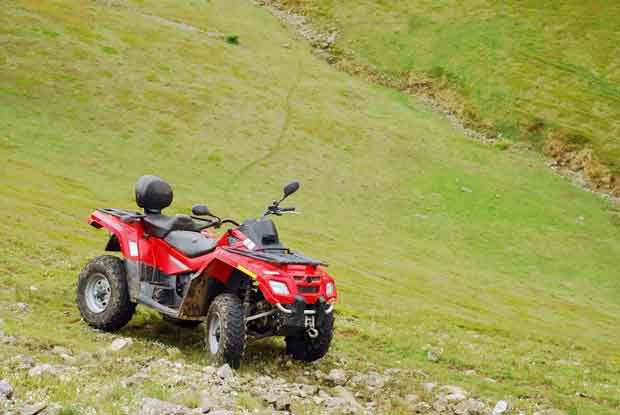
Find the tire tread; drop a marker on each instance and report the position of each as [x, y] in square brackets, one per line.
[233, 336]
[120, 310]
[306, 349]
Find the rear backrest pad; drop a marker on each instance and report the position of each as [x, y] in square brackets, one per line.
[153, 193]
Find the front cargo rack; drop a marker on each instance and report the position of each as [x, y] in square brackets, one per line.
[278, 256]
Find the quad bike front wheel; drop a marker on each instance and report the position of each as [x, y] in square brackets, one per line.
[303, 347]
[103, 295]
[225, 330]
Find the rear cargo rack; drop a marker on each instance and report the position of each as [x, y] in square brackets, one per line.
[124, 215]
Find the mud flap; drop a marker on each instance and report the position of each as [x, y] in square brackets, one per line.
[194, 302]
[133, 279]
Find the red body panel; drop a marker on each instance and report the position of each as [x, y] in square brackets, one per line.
[136, 245]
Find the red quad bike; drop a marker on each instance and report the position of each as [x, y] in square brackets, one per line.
[243, 284]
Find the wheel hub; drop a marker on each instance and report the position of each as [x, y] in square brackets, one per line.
[214, 333]
[98, 293]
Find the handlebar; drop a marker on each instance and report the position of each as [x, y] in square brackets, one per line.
[231, 221]
[274, 209]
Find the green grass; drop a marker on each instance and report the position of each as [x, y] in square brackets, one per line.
[516, 64]
[516, 279]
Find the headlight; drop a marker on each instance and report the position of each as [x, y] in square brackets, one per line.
[278, 288]
[329, 289]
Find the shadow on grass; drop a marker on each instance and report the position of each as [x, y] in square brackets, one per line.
[150, 327]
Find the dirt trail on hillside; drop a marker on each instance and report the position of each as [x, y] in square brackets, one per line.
[277, 146]
[579, 166]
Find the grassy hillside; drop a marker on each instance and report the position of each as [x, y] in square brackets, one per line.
[526, 69]
[433, 239]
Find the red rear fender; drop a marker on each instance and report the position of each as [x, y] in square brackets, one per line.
[127, 234]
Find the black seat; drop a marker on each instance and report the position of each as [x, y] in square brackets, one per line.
[191, 244]
[161, 225]
[153, 194]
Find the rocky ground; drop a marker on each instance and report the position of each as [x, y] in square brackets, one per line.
[204, 389]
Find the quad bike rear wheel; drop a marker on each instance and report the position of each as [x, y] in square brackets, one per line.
[308, 349]
[103, 295]
[225, 330]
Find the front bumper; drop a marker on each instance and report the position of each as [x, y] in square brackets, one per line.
[303, 316]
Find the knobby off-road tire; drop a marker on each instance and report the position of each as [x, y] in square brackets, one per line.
[186, 324]
[225, 330]
[303, 347]
[109, 308]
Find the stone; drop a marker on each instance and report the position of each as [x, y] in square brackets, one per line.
[44, 369]
[22, 308]
[206, 403]
[411, 398]
[376, 380]
[33, 409]
[59, 350]
[500, 408]
[331, 39]
[470, 407]
[309, 389]
[334, 402]
[10, 340]
[456, 390]
[173, 351]
[225, 372]
[283, 403]
[470, 372]
[177, 380]
[440, 405]
[421, 408]
[337, 377]
[270, 398]
[67, 358]
[551, 411]
[84, 356]
[428, 386]
[318, 400]
[221, 412]
[454, 397]
[151, 406]
[6, 390]
[434, 354]
[23, 361]
[135, 379]
[121, 343]
[348, 397]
